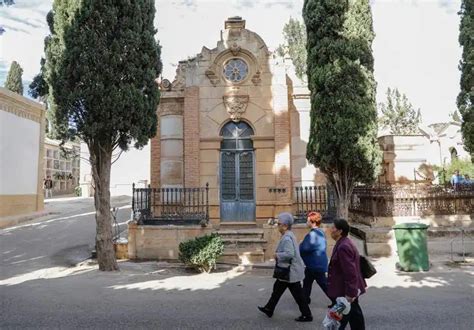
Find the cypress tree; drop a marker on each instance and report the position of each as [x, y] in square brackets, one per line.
[343, 133]
[101, 64]
[14, 81]
[465, 98]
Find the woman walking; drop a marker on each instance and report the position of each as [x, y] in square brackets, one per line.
[313, 252]
[289, 271]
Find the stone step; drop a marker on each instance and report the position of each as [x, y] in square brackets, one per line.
[242, 258]
[233, 225]
[240, 233]
[248, 243]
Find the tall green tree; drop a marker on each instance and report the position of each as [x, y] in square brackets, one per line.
[398, 114]
[38, 88]
[14, 80]
[102, 60]
[343, 133]
[294, 34]
[465, 98]
[7, 2]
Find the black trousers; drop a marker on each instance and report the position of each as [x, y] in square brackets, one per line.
[355, 318]
[309, 277]
[296, 291]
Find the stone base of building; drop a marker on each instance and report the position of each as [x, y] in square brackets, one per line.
[248, 244]
[16, 205]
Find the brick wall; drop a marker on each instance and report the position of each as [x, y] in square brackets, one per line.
[191, 137]
[155, 157]
[282, 141]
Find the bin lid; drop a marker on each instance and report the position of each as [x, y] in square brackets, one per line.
[410, 225]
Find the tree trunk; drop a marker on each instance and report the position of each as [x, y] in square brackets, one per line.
[343, 187]
[342, 211]
[101, 165]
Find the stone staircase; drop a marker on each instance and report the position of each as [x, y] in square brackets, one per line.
[242, 246]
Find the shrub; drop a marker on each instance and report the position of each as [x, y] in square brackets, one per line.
[202, 253]
[78, 191]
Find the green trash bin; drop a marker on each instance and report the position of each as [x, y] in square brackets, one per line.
[412, 246]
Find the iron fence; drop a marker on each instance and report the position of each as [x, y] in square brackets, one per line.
[412, 200]
[171, 205]
[315, 198]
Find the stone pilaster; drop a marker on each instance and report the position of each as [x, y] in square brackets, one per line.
[282, 135]
[191, 137]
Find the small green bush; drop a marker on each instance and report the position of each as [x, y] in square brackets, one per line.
[78, 191]
[202, 253]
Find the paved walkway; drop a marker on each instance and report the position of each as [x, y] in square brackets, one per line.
[155, 296]
[43, 286]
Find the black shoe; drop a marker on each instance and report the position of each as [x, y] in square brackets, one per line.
[303, 318]
[267, 312]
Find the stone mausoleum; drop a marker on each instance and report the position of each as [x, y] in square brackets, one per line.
[234, 118]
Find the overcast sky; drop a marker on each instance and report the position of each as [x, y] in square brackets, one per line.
[416, 46]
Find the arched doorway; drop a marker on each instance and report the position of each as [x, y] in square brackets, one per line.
[237, 173]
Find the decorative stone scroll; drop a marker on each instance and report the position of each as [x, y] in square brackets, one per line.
[236, 105]
[211, 74]
[179, 82]
[256, 78]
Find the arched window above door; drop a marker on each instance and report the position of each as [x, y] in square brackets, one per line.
[236, 136]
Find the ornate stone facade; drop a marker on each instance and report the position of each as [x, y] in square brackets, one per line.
[238, 81]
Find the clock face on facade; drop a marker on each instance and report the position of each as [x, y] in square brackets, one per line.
[235, 70]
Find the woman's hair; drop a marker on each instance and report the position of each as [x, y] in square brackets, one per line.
[314, 218]
[343, 225]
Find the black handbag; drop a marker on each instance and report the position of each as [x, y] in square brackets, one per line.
[366, 268]
[282, 273]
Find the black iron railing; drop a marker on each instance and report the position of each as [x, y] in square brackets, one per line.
[315, 198]
[171, 205]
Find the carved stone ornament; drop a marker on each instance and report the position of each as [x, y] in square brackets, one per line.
[166, 85]
[236, 105]
[179, 83]
[256, 78]
[211, 74]
[234, 49]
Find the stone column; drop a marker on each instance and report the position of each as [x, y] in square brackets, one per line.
[171, 144]
[191, 137]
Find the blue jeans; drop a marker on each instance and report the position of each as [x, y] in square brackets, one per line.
[309, 277]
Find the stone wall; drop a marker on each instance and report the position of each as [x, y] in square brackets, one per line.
[162, 242]
[22, 127]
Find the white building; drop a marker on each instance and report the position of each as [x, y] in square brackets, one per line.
[128, 167]
[22, 124]
[436, 144]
